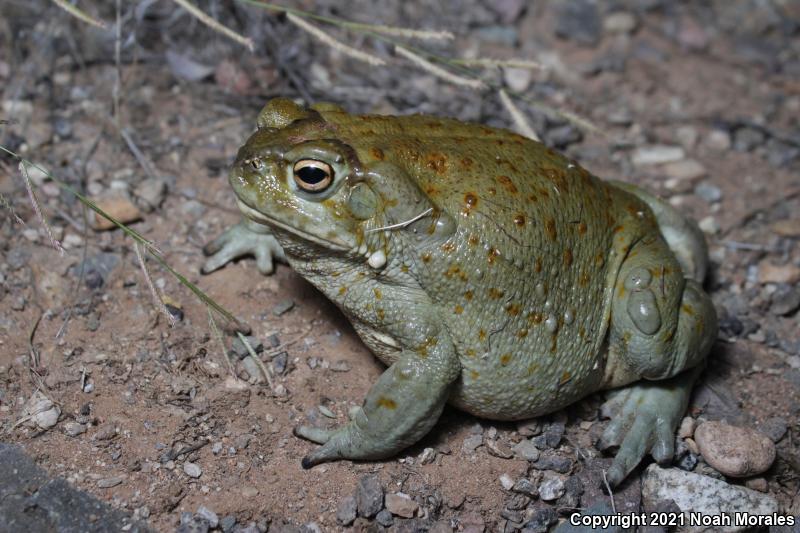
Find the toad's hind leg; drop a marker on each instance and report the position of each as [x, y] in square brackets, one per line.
[662, 327]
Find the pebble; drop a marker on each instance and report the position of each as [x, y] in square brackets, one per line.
[209, 515]
[369, 496]
[709, 225]
[525, 486]
[427, 456]
[227, 523]
[121, 209]
[708, 192]
[107, 483]
[525, 449]
[283, 307]
[151, 192]
[657, 155]
[238, 347]
[541, 520]
[216, 448]
[346, 511]
[73, 429]
[685, 170]
[384, 518]
[579, 21]
[687, 427]
[43, 413]
[746, 139]
[340, 366]
[734, 451]
[785, 300]
[506, 482]
[517, 79]
[719, 140]
[702, 494]
[471, 443]
[192, 470]
[769, 272]
[552, 488]
[775, 428]
[529, 428]
[757, 483]
[787, 227]
[556, 463]
[400, 504]
[498, 449]
[620, 22]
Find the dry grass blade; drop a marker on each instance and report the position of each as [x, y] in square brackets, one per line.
[422, 35]
[264, 370]
[517, 116]
[153, 292]
[214, 25]
[333, 43]
[6, 204]
[37, 208]
[438, 71]
[80, 15]
[492, 63]
[218, 336]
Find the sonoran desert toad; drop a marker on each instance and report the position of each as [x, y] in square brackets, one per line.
[485, 269]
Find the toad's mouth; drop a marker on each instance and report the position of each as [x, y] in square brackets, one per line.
[266, 220]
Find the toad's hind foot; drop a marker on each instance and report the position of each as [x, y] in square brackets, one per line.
[644, 419]
[245, 238]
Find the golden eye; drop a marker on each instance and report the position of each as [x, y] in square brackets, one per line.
[255, 164]
[312, 175]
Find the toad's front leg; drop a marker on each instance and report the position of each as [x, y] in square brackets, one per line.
[399, 410]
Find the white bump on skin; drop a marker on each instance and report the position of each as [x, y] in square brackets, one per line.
[362, 249]
[551, 324]
[377, 259]
[568, 318]
[540, 290]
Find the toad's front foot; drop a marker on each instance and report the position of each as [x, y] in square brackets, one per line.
[245, 238]
[644, 418]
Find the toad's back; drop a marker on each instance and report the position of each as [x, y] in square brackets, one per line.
[525, 282]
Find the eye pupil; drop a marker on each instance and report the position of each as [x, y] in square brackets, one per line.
[312, 175]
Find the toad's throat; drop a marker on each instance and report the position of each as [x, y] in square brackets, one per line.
[266, 220]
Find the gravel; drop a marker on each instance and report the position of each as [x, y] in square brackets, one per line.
[346, 510]
[400, 504]
[551, 488]
[525, 449]
[192, 470]
[579, 21]
[369, 496]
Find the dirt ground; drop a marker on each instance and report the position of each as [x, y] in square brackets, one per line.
[710, 88]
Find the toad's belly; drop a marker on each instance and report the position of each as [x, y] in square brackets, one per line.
[527, 385]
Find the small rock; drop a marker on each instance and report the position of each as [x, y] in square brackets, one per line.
[498, 449]
[579, 21]
[192, 470]
[553, 462]
[560, 137]
[734, 451]
[620, 22]
[746, 139]
[400, 504]
[688, 462]
[41, 413]
[227, 523]
[529, 428]
[719, 140]
[506, 482]
[787, 227]
[657, 155]
[541, 520]
[785, 300]
[384, 518]
[216, 448]
[239, 348]
[552, 488]
[525, 449]
[471, 443]
[369, 496]
[620, 116]
[427, 456]
[685, 170]
[687, 427]
[517, 79]
[554, 433]
[340, 366]
[708, 192]
[210, 516]
[686, 136]
[775, 428]
[769, 272]
[73, 429]
[702, 494]
[757, 483]
[151, 192]
[524, 486]
[121, 209]
[107, 483]
[709, 225]
[283, 307]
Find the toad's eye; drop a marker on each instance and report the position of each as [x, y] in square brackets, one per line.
[256, 164]
[312, 175]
